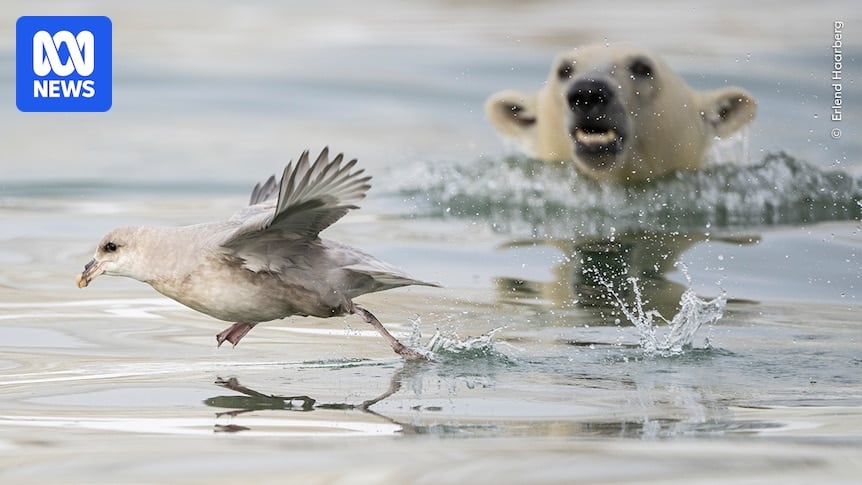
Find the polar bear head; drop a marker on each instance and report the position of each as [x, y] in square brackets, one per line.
[620, 113]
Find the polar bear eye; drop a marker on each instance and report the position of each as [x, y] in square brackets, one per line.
[640, 68]
[565, 70]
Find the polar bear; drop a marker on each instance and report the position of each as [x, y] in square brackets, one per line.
[620, 113]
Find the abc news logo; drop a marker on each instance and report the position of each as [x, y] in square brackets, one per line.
[63, 64]
[46, 58]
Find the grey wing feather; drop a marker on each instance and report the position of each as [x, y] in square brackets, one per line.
[263, 192]
[311, 197]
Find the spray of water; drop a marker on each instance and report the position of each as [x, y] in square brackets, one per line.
[518, 195]
[451, 345]
[677, 334]
[483, 344]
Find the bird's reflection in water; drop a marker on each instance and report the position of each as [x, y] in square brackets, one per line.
[252, 400]
[663, 409]
[591, 267]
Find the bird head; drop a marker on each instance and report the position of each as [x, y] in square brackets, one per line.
[115, 256]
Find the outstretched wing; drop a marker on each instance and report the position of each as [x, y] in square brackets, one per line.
[311, 197]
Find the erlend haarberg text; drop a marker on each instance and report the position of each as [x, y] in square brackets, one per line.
[837, 65]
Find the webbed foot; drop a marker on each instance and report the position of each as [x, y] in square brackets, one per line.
[234, 333]
[397, 346]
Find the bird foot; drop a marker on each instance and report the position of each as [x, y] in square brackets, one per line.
[399, 348]
[234, 333]
[410, 354]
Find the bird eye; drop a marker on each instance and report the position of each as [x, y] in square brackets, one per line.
[109, 247]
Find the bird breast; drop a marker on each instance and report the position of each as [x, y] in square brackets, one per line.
[234, 293]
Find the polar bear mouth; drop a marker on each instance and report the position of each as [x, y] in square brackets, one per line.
[597, 141]
[602, 140]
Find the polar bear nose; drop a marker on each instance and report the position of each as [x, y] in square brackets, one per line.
[587, 93]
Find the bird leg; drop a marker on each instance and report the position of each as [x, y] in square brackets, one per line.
[397, 346]
[234, 333]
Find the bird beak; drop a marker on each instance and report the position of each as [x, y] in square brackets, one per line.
[91, 271]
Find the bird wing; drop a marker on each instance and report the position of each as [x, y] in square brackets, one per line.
[263, 192]
[309, 198]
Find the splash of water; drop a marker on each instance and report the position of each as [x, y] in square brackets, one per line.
[441, 344]
[553, 200]
[677, 336]
[483, 344]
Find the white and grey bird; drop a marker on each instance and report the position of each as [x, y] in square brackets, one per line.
[267, 261]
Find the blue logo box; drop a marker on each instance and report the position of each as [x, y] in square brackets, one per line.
[63, 63]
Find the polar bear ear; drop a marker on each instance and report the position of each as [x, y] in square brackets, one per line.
[513, 114]
[727, 110]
